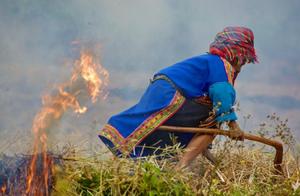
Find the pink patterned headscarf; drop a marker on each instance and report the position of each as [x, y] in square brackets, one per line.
[235, 44]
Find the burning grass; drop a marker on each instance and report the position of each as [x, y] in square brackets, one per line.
[34, 175]
[14, 171]
[241, 170]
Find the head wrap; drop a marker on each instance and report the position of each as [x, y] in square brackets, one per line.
[235, 44]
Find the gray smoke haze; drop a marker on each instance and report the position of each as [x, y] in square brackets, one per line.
[136, 39]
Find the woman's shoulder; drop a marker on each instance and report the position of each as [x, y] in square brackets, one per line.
[219, 69]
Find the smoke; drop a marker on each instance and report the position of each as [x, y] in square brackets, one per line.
[136, 39]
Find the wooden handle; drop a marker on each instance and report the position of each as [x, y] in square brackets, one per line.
[277, 145]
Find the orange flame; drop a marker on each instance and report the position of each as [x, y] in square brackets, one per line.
[95, 78]
[3, 189]
[93, 73]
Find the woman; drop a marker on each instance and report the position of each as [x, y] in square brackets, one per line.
[184, 94]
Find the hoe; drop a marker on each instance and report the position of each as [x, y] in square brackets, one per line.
[277, 145]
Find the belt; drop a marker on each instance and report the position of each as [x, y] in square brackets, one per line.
[205, 100]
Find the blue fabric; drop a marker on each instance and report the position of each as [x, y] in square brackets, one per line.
[223, 96]
[193, 76]
[157, 96]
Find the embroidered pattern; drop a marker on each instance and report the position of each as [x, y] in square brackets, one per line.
[113, 135]
[126, 145]
[229, 70]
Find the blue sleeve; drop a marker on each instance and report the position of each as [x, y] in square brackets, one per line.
[222, 95]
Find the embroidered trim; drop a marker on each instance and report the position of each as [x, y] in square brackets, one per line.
[229, 71]
[112, 134]
[126, 145]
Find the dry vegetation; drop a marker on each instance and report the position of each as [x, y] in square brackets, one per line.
[242, 169]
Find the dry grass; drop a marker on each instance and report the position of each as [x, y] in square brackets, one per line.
[242, 169]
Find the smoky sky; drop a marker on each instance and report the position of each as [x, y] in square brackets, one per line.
[135, 39]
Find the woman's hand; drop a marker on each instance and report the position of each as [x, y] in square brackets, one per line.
[235, 131]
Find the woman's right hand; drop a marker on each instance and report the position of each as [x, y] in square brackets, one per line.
[235, 131]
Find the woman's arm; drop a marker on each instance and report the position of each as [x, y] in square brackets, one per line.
[223, 97]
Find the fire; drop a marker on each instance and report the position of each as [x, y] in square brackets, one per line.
[95, 78]
[3, 189]
[92, 72]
